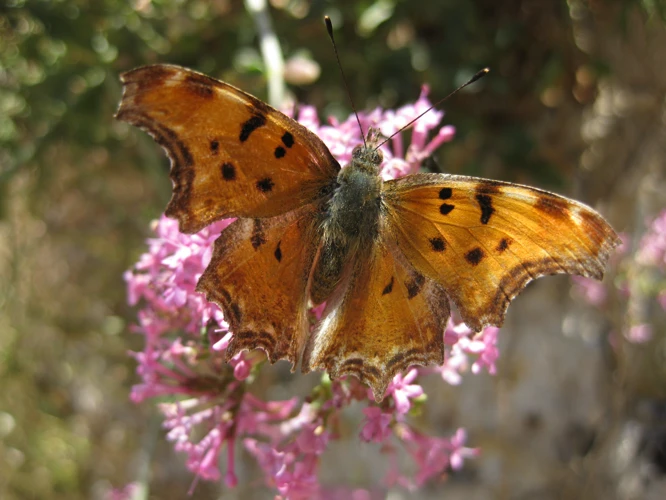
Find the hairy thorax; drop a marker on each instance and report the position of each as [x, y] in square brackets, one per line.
[351, 221]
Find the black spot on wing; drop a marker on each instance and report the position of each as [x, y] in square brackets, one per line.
[475, 256]
[503, 245]
[288, 139]
[265, 185]
[278, 252]
[445, 209]
[486, 204]
[251, 125]
[388, 288]
[414, 285]
[214, 146]
[257, 239]
[280, 152]
[445, 193]
[228, 171]
[438, 244]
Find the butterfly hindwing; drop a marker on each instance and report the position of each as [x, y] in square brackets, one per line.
[259, 276]
[483, 240]
[231, 154]
[383, 318]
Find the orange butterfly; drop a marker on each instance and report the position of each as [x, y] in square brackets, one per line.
[387, 257]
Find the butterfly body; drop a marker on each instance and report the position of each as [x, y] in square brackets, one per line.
[350, 221]
[387, 257]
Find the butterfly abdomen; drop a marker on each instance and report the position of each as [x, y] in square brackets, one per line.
[351, 221]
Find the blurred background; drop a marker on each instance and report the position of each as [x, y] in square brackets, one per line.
[574, 104]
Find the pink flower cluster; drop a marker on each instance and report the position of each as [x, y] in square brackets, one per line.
[652, 249]
[652, 253]
[645, 267]
[209, 406]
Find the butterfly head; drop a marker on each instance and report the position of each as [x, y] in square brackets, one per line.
[365, 154]
[368, 156]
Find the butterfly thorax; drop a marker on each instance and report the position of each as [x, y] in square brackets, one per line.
[351, 220]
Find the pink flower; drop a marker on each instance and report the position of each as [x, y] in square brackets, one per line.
[223, 343]
[402, 390]
[298, 482]
[593, 291]
[269, 459]
[486, 348]
[376, 427]
[458, 451]
[652, 249]
[464, 342]
[341, 138]
[291, 466]
[202, 456]
[313, 438]
[454, 364]
[433, 455]
[241, 365]
[127, 492]
[639, 334]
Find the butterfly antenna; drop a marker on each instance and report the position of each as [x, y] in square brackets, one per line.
[476, 77]
[329, 28]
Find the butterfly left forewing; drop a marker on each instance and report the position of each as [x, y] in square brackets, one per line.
[483, 240]
[231, 154]
[383, 318]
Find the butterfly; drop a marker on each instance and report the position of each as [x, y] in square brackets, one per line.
[386, 257]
